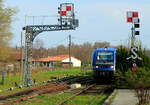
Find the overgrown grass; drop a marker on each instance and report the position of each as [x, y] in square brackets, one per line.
[10, 80]
[47, 100]
[58, 73]
[41, 76]
[85, 99]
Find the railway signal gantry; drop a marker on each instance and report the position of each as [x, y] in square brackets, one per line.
[66, 20]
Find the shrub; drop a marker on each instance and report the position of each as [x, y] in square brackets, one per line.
[121, 63]
[140, 81]
[58, 64]
[120, 80]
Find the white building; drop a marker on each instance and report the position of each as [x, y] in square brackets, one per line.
[52, 60]
[75, 62]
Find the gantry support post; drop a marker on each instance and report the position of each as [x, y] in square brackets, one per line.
[29, 38]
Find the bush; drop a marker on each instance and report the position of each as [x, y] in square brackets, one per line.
[120, 80]
[140, 81]
[58, 64]
[121, 63]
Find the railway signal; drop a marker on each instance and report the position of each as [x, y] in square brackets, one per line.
[66, 10]
[134, 67]
[67, 16]
[134, 54]
[133, 17]
[137, 25]
[67, 22]
[137, 33]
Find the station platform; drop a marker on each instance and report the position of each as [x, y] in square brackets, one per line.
[125, 97]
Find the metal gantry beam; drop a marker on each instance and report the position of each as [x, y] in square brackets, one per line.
[40, 28]
[31, 32]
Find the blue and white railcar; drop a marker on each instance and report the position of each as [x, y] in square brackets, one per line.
[104, 62]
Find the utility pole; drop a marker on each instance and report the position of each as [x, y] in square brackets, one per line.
[21, 55]
[70, 51]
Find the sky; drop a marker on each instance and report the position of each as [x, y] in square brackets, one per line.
[99, 20]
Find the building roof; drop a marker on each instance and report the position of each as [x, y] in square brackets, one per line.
[52, 58]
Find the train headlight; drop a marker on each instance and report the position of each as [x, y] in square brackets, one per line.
[112, 67]
[96, 66]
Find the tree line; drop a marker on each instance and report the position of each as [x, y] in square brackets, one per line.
[80, 51]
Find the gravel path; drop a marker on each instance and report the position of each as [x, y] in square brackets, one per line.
[125, 97]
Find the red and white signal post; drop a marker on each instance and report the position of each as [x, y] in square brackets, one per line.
[133, 17]
[67, 16]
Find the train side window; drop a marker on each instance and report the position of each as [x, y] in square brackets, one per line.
[98, 58]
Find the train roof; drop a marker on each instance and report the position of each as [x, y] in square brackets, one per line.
[105, 49]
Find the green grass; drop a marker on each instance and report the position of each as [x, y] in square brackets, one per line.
[56, 98]
[88, 99]
[59, 73]
[10, 81]
[47, 100]
[40, 77]
[84, 99]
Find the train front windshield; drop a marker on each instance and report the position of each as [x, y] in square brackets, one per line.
[105, 57]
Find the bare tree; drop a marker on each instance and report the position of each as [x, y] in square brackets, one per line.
[38, 49]
[101, 44]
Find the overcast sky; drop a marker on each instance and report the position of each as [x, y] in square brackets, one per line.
[99, 20]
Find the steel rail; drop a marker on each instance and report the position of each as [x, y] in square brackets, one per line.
[71, 97]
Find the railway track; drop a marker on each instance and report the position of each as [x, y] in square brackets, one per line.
[79, 79]
[30, 93]
[51, 87]
[71, 97]
[93, 89]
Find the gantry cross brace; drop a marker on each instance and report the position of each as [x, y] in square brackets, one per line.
[31, 32]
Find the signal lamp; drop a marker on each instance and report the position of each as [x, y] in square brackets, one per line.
[137, 25]
[137, 32]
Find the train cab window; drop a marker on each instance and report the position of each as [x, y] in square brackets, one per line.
[105, 56]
